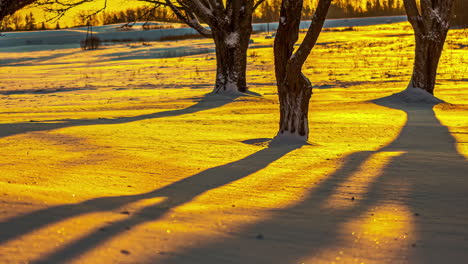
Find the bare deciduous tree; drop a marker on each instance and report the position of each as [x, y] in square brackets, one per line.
[229, 22]
[230, 26]
[294, 88]
[430, 20]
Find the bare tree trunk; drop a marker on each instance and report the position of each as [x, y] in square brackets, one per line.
[230, 26]
[294, 88]
[294, 95]
[231, 60]
[431, 22]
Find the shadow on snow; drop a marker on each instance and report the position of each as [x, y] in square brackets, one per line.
[176, 194]
[209, 101]
[436, 197]
[304, 229]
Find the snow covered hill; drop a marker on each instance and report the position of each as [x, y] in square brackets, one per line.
[114, 33]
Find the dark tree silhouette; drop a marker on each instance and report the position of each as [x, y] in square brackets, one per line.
[30, 22]
[9, 7]
[294, 88]
[460, 18]
[431, 21]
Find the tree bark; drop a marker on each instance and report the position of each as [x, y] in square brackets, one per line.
[9, 7]
[230, 26]
[231, 60]
[294, 88]
[294, 96]
[428, 52]
[431, 22]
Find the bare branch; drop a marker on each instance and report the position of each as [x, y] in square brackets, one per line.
[61, 7]
[9, 7]
[144, 15]
[313, 33]
[426, 8]
[155, 2]
[220, 4]
[190, 20]
[258, 3]
[217, 7]
[414, 17]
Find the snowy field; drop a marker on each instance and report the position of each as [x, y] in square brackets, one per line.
[56, 39]
[120, 155]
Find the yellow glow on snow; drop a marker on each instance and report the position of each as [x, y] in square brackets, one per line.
[368, 172]
[383, 233]
[149, 167]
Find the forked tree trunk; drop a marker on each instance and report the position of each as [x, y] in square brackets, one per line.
[231, 60]
[431, 22]
[294, 88]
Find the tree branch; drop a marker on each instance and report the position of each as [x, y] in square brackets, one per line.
[190, 20]
[413, 15]
[257, 4]
[60, 7]
[9, 7]
[313, 33]
[426, 9]
[201, 10]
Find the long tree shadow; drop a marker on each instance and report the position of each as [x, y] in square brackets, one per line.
[436, 174]
[207, 102]
[157, 53]
[175, 194]
[30, 61]
[429, 178]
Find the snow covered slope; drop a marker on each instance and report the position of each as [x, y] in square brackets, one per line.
[114, 33]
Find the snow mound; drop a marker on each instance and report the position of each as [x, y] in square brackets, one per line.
[413, 96]
[288, 138]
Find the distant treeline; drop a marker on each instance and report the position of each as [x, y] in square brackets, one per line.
[267, 12]
[160, 14]
[27, 22]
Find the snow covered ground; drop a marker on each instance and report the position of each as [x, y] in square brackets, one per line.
[120, 155]
[114, 33]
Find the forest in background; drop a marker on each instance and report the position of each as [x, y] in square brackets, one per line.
[267, 12]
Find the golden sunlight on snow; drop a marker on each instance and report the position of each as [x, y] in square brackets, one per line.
[118, 155]
[360, 180]
[381, 234]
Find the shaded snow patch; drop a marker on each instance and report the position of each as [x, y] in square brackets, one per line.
[413, 96]
[289, 138]
[262, 142]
